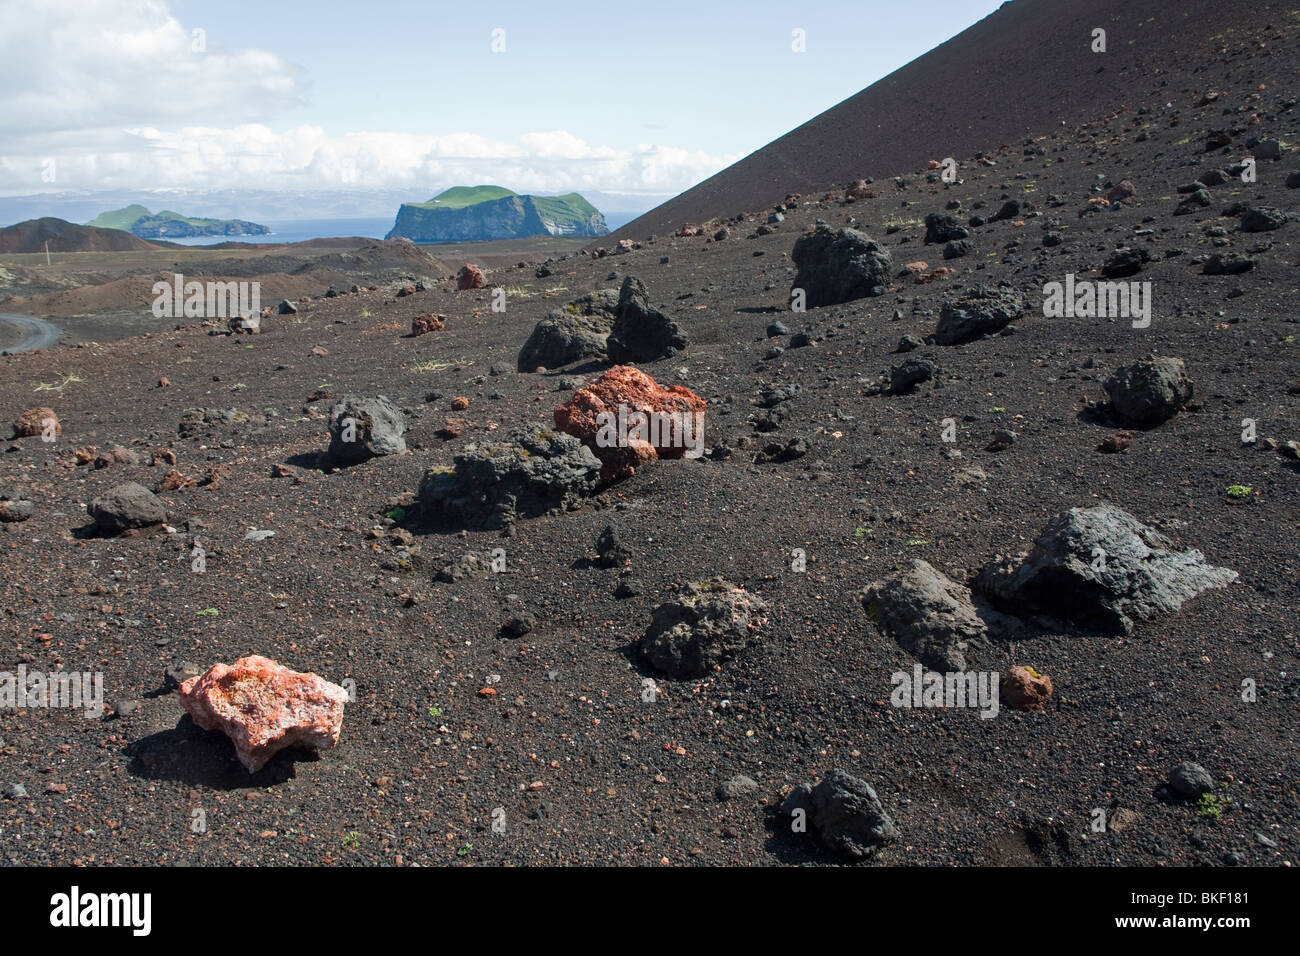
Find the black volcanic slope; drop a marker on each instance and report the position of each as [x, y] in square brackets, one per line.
[456, 715]
[1023, 70]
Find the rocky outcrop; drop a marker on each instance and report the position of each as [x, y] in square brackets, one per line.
[508, 217]
[264, 707]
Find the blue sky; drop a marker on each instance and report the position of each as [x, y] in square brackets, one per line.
[650, 97]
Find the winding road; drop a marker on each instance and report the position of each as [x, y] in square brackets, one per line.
[40, 334]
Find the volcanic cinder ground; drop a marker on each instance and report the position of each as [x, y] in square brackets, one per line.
[585, 769]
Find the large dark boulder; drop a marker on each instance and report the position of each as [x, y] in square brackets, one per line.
[362, 428]
[1102, 568]
[980, 311]
[839, 265]
[578, 331]
[128, 505]
[532, 472]
[709, 624]
[641, 333]
[1150, 391]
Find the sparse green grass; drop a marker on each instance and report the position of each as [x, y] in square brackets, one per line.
[351, 841]
[900, 222]
[1239, 491]
[209, 612]
[1211, 805]
[431, 366]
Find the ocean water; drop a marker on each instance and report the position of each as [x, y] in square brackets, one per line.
[300, 230]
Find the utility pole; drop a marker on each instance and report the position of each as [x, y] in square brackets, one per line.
[47, 252]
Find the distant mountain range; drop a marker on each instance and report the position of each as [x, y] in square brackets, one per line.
[471, 213]
[139, 221]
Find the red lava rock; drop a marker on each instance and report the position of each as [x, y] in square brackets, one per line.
[164, 382]
[1115, 442]
[32, 422]
[264, 707]
[215, 475]
[486, 692]
[428, 322]
[160, 456]
[1023, 688]
[689, 229]
[405, 291]
[469, 277]
[173, 481]
[595, 405]
[460, 403]
[624, 245]
[917, 267]
[86, 454]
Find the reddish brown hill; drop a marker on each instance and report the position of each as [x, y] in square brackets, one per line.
[1023, 70]
[63, 236]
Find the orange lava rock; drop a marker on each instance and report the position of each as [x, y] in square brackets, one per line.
[164, 382]
[486, 692]
[33, 422]
[422, 324]
[917, 267]
[86, 454]
[688, 229]
[160, 456]
[469, 277]
[173, 481]
[627, 419]
[264, 707]
[460, 403]
[1023, 688]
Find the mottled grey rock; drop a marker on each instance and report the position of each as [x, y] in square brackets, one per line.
[641, 333]
[362, 428]
[737, 787]
[128, 505]
[927, 614]
[709, 624]
[910, 373]
[1100, 567]
[839, 265]
[845, 813]
[533, 471]
[1190, 780]
[471, 564]
[1262, 219]
[979, 311]
[576, 332]
[1150, 391]
[941, 228]
[611, 550]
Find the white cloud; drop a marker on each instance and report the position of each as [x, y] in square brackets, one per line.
[93, 64]
[253, 156]
[111, 95]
